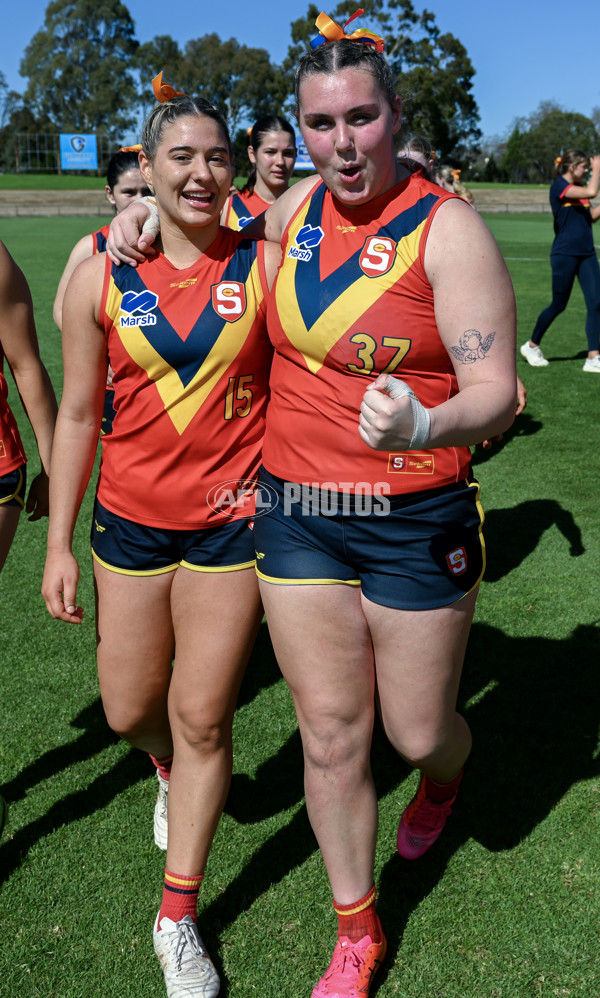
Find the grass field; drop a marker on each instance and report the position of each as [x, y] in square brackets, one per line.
[505, 906]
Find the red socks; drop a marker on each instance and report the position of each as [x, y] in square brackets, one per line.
[180, 896]
[163, 766]
[359, 919]
[439, 792]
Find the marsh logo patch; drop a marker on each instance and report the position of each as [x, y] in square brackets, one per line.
[307, 238]
[137, 305]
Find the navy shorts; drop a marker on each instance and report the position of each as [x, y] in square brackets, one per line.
[412, 552]
[134, 549]
[13, 487]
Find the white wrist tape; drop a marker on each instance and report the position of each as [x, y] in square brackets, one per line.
[152, 223]
[396, 388]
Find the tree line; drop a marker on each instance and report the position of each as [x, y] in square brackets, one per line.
[87, 72]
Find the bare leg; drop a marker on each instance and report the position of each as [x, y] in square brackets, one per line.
[216, 618]
[419, 656]
[135, 651]
[323, 647]
[9, 520]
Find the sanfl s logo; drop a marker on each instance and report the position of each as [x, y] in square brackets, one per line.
[143, 302]
[307, 238]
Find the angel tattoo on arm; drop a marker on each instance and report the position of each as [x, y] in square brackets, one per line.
[472, 346]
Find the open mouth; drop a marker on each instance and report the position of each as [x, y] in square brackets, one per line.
[349, 173]
[198, 199]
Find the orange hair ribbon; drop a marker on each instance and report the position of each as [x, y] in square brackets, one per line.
[329, 31]
[558, 160]
[163, 91]
[130, 148]
[456, 174]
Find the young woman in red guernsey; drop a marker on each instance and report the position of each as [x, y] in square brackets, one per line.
[393, 324]
[19, 347]
[272, 154]
[173, 555]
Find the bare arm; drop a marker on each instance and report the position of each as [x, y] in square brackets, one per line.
[20, 345]
[128, 240]
[80, 252]
[272, 261]
[271, 224]
[77, 428]
[476, 318]
[591, 188]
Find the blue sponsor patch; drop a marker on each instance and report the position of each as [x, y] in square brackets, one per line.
[142, 301]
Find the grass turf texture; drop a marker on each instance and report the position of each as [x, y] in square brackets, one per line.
[506, 904]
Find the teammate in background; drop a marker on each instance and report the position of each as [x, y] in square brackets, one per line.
[272, 154]
[418, 149]
[449, 178]
[19, 345]
[174, 568]
[392, 357]
[572, 254]
[124, 184]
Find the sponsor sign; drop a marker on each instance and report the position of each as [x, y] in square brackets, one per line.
[78, 152]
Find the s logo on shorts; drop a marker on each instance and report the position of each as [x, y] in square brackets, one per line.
[457, 561]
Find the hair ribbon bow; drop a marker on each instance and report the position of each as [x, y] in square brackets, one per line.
[164, 91]
[329, 31]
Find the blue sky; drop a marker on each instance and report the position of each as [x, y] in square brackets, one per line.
[523, 52]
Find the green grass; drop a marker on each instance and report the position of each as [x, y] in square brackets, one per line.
[505, 906]
[50, 182]
[69, 182]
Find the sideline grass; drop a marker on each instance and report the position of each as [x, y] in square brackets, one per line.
[505, 906]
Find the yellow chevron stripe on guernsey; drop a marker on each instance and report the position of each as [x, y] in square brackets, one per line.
[181, 403]
[358, 298]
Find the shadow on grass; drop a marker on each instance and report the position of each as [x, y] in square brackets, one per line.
[96, 737]
[262, 671]
[523, 426]
[533, 705]
[512, 534]
[129, 770]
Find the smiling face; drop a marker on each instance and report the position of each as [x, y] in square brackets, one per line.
[274, 159]
[191, 173]
[348, 126]
[130, 187]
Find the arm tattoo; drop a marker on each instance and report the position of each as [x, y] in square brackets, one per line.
[472, 346]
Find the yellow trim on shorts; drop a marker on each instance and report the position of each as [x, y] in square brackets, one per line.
[171, 568]
[15, 497]
[219, 568]
[129, 571]
[476, 485]
[308, 582]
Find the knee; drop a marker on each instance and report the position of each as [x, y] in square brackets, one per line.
[335, 747]
[203, 733]
[130, 722]
[424, 747]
